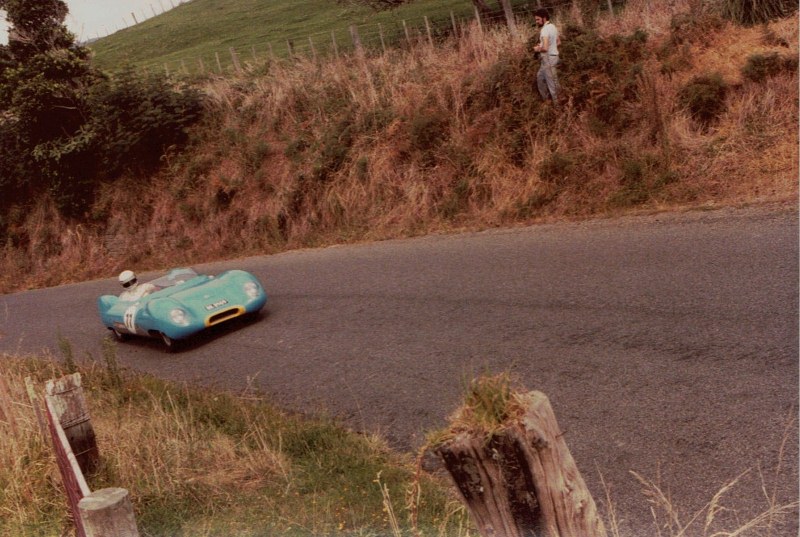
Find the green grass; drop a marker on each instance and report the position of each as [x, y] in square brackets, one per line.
[201, 462]
[202, 29]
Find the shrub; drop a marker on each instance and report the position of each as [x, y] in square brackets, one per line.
[557, 168]
[762, 66]
[751, 12]
[599, 74]
[136, 118]
[704, 97]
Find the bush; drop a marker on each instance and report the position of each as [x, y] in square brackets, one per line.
[751, 12]
[600, 74]
[136, 118]
[762, 66]
[704, 97]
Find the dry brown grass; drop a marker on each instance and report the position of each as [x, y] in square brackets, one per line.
[308, 154]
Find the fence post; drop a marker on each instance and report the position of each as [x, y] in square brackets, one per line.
[219, 63]
[108, 512]
[405, 29]
[522, 480]
[253, 51]
[478, 18]
[134, 18]
[453, 20]
[66, 398]
[235, 58]
[383, 41]
[335, 45]
[356, 40]
[610, 7]
[512, 24]
[428, 30]
[202, 66]
[313, 50]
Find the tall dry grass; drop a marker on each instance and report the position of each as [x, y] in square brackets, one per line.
[429, 139]
[207, 462]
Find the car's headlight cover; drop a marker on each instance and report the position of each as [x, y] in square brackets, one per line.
[179, 317]
[251, 289]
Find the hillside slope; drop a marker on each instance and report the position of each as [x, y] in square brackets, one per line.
[300, 154]
[202, 29]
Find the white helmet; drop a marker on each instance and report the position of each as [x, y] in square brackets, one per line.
[127, 278]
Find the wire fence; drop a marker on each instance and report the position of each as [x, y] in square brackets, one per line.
[373, 38]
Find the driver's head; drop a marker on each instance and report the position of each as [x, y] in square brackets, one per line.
[127, 278]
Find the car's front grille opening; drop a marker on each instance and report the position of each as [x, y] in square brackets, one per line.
[223, 316]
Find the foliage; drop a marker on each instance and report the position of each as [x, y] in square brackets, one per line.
[704, 97]
[762, 66]
[136, 118]
[65, 126]
[750, 12]
[600, 74]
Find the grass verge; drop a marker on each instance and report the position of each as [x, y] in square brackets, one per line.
[204, 462]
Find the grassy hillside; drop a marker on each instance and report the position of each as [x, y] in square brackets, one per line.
[200, 28]
[661, 109]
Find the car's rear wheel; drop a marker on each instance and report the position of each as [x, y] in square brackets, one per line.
[170, 344]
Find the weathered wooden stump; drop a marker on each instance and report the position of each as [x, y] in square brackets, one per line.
[108, 512]
[68, 403]
[519, 479]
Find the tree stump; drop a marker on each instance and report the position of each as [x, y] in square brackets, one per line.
[520, 479]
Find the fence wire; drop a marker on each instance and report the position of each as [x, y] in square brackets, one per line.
[374, 38]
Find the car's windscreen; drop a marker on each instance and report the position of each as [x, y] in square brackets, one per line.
[175, 277]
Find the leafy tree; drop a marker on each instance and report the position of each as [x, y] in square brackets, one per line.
[64, 125]
[42, 109]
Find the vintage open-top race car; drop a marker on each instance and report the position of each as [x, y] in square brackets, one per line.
[181, 304]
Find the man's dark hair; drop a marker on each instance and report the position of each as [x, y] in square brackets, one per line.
[543, 13]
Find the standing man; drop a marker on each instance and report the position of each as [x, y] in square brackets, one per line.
[547, 48]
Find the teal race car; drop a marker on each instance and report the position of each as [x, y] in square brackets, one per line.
[180, 304]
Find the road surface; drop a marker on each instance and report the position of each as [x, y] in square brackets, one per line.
[668, 344]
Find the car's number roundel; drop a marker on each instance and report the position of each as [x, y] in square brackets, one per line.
[130, 318]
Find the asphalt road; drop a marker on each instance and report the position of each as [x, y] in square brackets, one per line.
[667, 344]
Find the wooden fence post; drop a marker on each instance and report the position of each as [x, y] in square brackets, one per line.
[235, 58]
[313, 50]
[202, 66]
[383, 41]
[356, 41]
[219, 63]
[405, 29]
[478, 18]
[335, 45]
[509, 12]
[108, 512]
[65, 396]
[428, 30]
[522, 480]
[610, 7]
[455, 26]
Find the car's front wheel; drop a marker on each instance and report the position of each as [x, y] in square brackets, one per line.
[170, 344]
[119, 336]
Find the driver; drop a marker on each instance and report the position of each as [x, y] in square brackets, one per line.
[132, 289]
